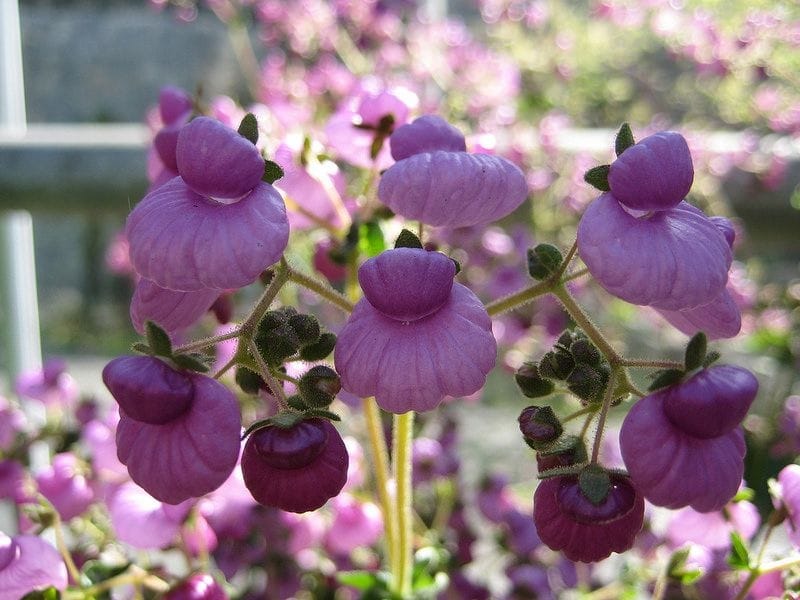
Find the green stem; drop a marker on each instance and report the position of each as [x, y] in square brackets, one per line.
[403, 433]
[518, 298]
[651, 364]
[207, 342]
[577, 314]
[61, 544]
[266, 374]
[578, 413]
[601, 422]
[575, 275]
[282, 272]
[323, 290]
[779, 565]
[226, 367]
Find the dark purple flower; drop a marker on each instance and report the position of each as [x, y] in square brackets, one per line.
[198, 586]
[178, 432]
[29, 563]
[672, 259]
[416, 336]
[295, 468]
[446, 187]
[217, 225]
[173, 311]
[583, 530]
[682, 445]
[654, 174]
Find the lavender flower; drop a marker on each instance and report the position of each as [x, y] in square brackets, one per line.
[355, 524]
[142, 521]
[416, 336]
[51, 385]
[789, 493]
[29, 563]
[682, 445]
[64, 486]
[174, 311]
[178, 432]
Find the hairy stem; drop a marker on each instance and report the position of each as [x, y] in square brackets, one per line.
[403, 433]
[517, 299]
[322, 289]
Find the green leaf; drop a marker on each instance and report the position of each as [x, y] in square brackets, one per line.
[249, 381]
[248, 128]
[371, 241]
[689, 577]
[272, 172]
[665, 378]
[364, 580]
[190, 362]
[594, 483]
[739, 558]
[50, 593]
[695, 351]
[543, 261]
[158, 339]
[598, 177]
[408, 239]
[624, 139]
[142, 348]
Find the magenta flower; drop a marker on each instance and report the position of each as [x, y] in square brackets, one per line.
[178, 432]
[355, 524]
[672, 259]
[51, 385]
[12, 422]
[654, 174]
[295, 468]
[174, 311]
[713, 529]
[175, 108]
[29, 563]
[583, 530]
[416, 336]
[198, 586]
[789, 495]
[142, 521]
[217, 225]
[440, 184]
[683, 446]
[64, 486]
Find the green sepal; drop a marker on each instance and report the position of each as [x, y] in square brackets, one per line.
[567, 443]
[598, 177]
[277, 344]
[584, 351]
[190, 362]
[566, 471]
[319, 349]
[624, 139]
[744, 494]
[272, 172]
[157, 339]
[319, 386]
[142, 348]
[543, 261]
[249, 381]
[739, 558]
[665, 378]
[676, 567]
[531, 383]
[556, 365]
[711, 358]
[594, 483]
[248, 128]
[371, 241]
[408, 239]
[587, 382]
[322, 414]
[695, 352]
[296, 402]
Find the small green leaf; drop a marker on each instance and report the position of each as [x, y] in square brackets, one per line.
[711, 358]
[272, 172]
[364, 580]
[695, 351]
[322, 414]
[689, 577]
[248, 128]
[624, 139]
[249, 381]
[744, 494]
[158, 339]
[594, 483]
[598, 177]
[543, 261]
[665, 378]
[371, 241]
[408, 239]
[142, 348]
[531, 383]
[739, 558]
[190, 362]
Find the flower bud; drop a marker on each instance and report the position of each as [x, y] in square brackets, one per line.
[319, 349]
[588, 383]
[539, 425]
[306, 327]
[568, 450]
[557, 365]
[531, 384]
[543, 261]
[319, 386]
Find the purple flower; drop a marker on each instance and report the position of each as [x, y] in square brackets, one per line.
[142, 521]
[416, 336]
[682, 445]
[178, 432]
[789, 492]
[198, 586]
[174, 311]
[65, 487]
[295, 468]
[439, 184]
[654, 174]
[583, 530]
[51, 385]
[713, 529]
[29, 563]
[355, 524]
[672, 259]
[217, 225]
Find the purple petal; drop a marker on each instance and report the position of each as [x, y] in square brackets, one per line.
[174, 104]
[655, 174]
[142, 521]
[407, 283]
[187, 457]
[674, 469]
[453, 189]
[413, 366]
[673, 259]
[173, 311]
[216, 161]
[182, 241]
[720, 318]
[166, 144]
[726, 227]
[65, 487]
[426, 134]
[29, 563]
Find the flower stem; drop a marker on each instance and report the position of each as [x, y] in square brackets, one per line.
[281, 276]
[61, 544]
[577, 314]
[651, 364]
[601, 421]
[518, 298]
[403, 433]
[323, 290]
[207, 342]
[266, 374]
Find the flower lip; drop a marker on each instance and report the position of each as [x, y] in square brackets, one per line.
[407, 284]
[147, 389]
[293, 447]
[426, 134]
[619, 502]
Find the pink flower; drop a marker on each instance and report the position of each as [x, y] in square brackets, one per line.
[355, 524]
[29, 563]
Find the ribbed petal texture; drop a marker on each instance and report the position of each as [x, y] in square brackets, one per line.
[216, 161]
[567, 521]
[173, 311]
[413, 366]
[453, 189]
[183, 241]
[673, 259]
[299, 489]
[426, 134]
[720, 318]
[654, 174]
[189, 456]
